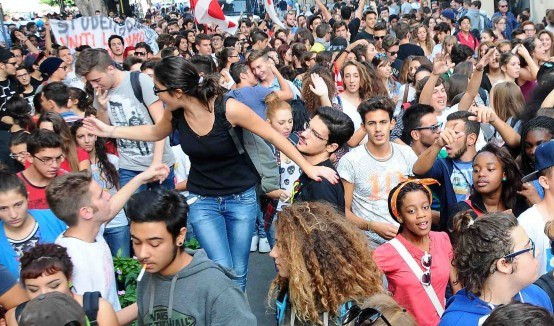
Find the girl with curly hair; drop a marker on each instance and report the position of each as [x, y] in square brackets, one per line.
[496, 264]
[409, 204]
[422, 38]
[358, 86]
[48, 268]
[324, 263]
[496, 182]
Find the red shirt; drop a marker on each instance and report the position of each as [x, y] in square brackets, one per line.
[407, 290]
[36, 195]
[82, 155]
[471, 41]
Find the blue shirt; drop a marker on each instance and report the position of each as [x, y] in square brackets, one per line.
[253, 97]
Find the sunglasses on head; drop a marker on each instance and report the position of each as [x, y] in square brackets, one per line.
[360, 316]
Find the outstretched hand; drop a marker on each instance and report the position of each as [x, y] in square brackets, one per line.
[98, 127]
[319, 86]
[155, 172]
[316, 172]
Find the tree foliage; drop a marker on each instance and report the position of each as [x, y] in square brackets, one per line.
[56, 3]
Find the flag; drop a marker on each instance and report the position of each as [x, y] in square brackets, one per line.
[270, 10]
[210, 12]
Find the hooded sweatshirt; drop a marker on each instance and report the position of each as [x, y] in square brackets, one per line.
[202, 293]
[467, 310]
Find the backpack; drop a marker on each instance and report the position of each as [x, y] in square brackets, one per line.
[259, 158]
[174, 138]
[91, 305]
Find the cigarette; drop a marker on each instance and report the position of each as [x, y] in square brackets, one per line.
[141, 274]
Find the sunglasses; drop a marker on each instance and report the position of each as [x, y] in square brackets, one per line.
[378, 37]
[393, 53]
[433, 128]
[140, 54]
[426, 263]
[360, 316]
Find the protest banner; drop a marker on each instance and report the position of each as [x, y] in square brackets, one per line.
[96, 30]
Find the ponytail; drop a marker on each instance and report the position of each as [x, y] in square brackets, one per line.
[462, 221]
[179, 73]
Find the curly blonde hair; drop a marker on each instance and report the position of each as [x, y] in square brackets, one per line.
[329, 260]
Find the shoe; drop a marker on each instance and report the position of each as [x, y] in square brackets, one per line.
[254, 243]
[263, 246]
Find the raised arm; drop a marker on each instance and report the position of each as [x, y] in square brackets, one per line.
[327, 15]
[30, 46]
[154, 132]
[484, 114]
[475, 82]
[530, 72]
[285, 93]
[426, 160]
[548, 101]
[360, 9]
[239, 114]
[440, 66]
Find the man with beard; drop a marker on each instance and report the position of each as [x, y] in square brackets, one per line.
[327, 131]
[454, 172]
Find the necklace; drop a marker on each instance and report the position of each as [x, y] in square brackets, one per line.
[381, 159]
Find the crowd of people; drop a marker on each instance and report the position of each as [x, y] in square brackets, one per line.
[394, 158]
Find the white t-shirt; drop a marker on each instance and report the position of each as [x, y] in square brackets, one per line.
[352, 112]
[373, 180]
[92, 266]
[533, 222]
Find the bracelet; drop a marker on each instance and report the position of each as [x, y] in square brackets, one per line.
[368, 225]
[111, 132]
[479, 68]
[347, 51]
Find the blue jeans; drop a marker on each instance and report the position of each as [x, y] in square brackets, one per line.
[223, 227]
[118, 238]
[126, 175]
[259, 228]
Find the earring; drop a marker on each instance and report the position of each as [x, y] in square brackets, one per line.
[504, 179]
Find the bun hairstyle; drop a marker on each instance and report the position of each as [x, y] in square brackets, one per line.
[178, 73]
[480, 244]
[273, 104]
[549, 230]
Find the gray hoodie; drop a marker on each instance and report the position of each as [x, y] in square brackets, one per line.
[202, 293]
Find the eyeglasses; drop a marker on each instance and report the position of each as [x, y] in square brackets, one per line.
[10, 63]
[360, 316]
[16, 156]
[433, 128]
[140, 54]
[313, 132]
[377, 38]
[522, 251]
[426, 263]
[62, 67]
[50, 160]
[156, 91]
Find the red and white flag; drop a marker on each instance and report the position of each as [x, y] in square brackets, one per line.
[270, 10]
[210, 12]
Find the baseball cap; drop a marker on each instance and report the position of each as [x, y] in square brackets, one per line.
[449, 13]
[52, 309]
[5, 55]
[544, 158]
[338, 44]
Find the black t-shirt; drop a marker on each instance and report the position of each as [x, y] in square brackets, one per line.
[353, 27]
[364, 35]
[217, 168]
[36, 83]
[8, 88]
[310, 190]
[408, 49]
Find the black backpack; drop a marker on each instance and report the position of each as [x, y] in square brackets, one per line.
[174, 138]
[91, 304]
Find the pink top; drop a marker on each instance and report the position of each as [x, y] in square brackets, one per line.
[406, 288]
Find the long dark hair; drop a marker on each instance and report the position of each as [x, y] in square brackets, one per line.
[107, 169]
[19, 109]
[513, 182]
[179, 73]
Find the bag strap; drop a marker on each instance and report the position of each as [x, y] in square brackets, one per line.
[418, 273]
[91, 304]
[19, 310]
[475, 209]
[137, 91]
